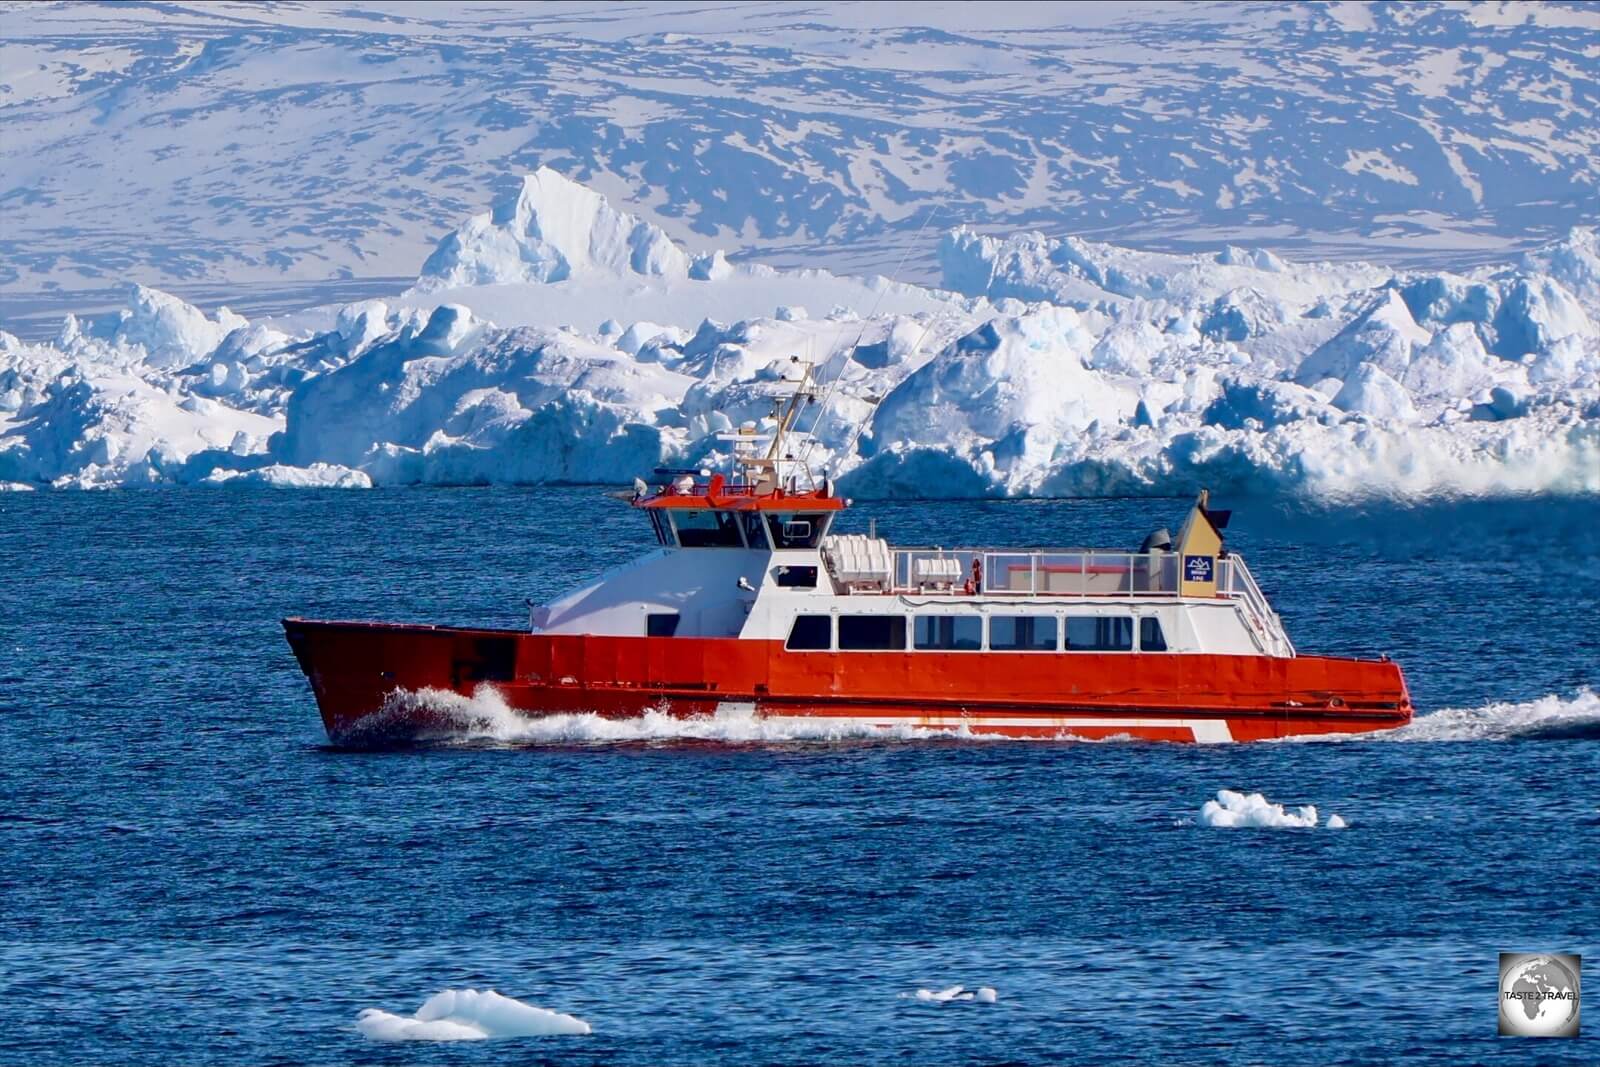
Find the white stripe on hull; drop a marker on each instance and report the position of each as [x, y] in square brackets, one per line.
[1205, 731]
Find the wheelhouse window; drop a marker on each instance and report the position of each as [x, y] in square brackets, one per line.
[662, 527]
[810, 633]
[664, 624]
[948, 633]
[872, 633]
[1151, 639]
[1022, 633]
[755, 530]
[797, 530]
[1099, 633]
[706, 529]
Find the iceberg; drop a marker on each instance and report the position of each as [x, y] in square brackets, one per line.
[549, 230]
[558, 339]
[468, 1015]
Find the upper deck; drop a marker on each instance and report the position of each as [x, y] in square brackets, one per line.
[769, 505]
[1064, 574]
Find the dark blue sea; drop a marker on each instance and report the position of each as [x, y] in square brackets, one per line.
[189, 873]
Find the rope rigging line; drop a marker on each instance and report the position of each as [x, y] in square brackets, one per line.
[893, 281]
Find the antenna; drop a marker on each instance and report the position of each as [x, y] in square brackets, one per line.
[768, 468]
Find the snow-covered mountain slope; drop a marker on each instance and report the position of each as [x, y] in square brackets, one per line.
[201, 144]
[558, 338]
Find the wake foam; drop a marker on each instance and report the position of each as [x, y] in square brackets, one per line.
[1548, 718]
[439, 716]
[468, 1015]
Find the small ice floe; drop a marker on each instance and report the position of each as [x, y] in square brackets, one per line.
[1253, 809]
[982, 995]
[468, 1015]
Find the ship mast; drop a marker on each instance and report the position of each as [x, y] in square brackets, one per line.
[777, 465]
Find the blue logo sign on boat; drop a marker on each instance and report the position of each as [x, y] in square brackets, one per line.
[1197, 568]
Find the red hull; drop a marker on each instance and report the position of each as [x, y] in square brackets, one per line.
[354, 667]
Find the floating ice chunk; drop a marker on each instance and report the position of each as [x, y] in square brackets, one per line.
[1253, 809]
[279, 476]
[982, 995]
[468, 1015]
[382, 1026]
[1336, 822]
[941, 996]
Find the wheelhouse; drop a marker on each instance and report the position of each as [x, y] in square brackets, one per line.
[693, 520]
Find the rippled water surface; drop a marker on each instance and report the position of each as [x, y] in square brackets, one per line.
[189, 874]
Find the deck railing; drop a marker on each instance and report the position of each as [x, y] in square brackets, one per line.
[1081, 573]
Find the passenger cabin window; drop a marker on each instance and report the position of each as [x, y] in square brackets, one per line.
[1022, 633]
[1099, 633]
[797, 577]
[810, 633]
[706, 529]
[1151, 639]
[803, 530]
[664, 624]
[948, 633]
[872, 633]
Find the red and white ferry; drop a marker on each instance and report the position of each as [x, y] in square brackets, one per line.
[753, 606]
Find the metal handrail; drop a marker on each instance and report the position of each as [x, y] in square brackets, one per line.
[1262, 617]
[1049, 571]
[1082, 572]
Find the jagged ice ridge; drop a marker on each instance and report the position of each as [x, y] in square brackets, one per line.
[556, 338]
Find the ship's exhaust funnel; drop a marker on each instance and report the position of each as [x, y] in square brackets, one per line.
[1160, 540]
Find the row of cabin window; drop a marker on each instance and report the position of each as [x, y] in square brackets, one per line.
[964, 633]
[697, 528]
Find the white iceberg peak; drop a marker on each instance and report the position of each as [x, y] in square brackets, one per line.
[549, 230]
[169, 331]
